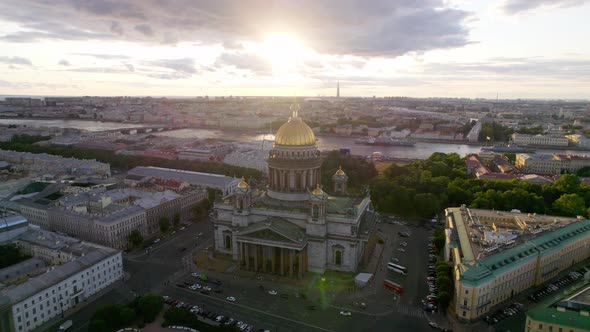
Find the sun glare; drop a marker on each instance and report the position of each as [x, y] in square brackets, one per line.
[284, 51]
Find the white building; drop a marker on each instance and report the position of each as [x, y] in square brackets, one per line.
[524, 139]
[46, 163]
[84, 270]
[552, 164]
[224, 183]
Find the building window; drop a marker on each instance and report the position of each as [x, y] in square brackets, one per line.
[338, 257]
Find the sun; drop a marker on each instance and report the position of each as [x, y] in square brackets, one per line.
[284, 51]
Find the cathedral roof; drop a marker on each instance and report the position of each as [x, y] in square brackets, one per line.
[339, 172]
[295, 131]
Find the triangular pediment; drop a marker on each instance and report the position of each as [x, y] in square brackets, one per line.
[267, 234]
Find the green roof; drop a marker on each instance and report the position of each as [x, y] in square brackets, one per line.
[548, 314]
[487, 268]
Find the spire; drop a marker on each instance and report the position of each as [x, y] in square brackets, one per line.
[338, 90]
[294, 109]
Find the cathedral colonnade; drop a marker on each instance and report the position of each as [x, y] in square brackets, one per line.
[270, 259]
[293, 180]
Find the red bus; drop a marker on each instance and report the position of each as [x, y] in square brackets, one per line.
[393, 286]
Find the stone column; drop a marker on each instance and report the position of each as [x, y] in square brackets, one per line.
[263, 258]
[247, 254]
[290, 262]
[255, 258]
[281, 268]
[273, 250]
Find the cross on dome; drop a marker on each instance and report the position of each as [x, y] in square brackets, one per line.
[295, 109]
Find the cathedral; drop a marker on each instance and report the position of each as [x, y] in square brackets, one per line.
[294, 226]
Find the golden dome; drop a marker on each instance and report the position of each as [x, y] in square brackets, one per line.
[295, 132]
[317, 190]
[340, 172]
[243, 184]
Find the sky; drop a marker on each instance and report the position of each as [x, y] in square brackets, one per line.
[419, 48]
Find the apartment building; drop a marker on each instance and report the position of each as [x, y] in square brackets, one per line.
[551, 164]
[47, 163]
[82, 270]
[108, 218]
[524, 139]
[496, 255]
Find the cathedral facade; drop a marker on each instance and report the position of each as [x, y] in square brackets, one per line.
[294, 226]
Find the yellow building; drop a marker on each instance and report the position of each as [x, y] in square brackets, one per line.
[492, 266]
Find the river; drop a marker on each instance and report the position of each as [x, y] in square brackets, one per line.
[77, 124]
[421, 150]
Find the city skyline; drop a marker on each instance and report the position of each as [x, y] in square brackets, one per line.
[450, 48]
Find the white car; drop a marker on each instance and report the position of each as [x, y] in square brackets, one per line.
[433, 325]
[272, 292]
[345, 313]
[195, 274]
[156, 240]
[182, 228]
[394, 260]
[197, 286]
[207, 288]
[231, 299]
[401, 249]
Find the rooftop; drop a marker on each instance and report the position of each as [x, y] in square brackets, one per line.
[566, 312]
[194, 178]
[492, 241]
[336, 204]
[86, 254]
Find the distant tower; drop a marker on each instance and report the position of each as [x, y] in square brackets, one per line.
[338, 90]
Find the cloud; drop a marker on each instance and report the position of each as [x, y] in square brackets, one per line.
[354, 27]
[29, 85]
[242, 60]
[116, 28]
[512, 7]
[103, 56]
[505, 68]
[184, 65]
[15, 60]
[145, 29]
[63, 62]
[130, 67]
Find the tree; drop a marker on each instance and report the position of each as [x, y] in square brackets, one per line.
[176, 219]
[9, 255]
[109, 314]
[126, 316]
[149, 306]
[567, 183]
[444, 299]
[135, 237]
[177, 316]
[427, 204]
[570, 205]
[164, 224]
[584, 172]
[97, 325]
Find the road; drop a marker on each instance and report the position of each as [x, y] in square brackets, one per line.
[147, 272]
[162, 268]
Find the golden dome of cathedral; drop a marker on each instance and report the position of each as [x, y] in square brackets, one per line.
[295, 131]
[340, 172]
